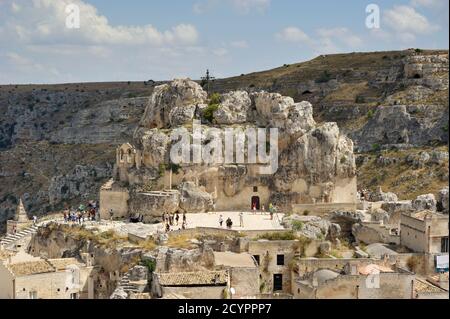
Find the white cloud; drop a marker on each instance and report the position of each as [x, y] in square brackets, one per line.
[324, 40]
[406, 23]
[293, 35]
[245, 6]
[429, 3]
[43, 22]
[220, 52]
[240, 6]
[241, 44]
[340, 34]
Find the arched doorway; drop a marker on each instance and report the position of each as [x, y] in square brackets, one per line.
[255, 203]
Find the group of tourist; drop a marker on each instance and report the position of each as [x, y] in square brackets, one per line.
[81, 214]
[364, 194]
[172, 220]
[229, 222]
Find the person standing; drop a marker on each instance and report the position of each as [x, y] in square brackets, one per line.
[220, 221]
[177, 217]
[184, 217]
[241, 219]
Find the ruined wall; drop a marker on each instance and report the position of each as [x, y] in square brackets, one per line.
[392, 286]
[203, 292]
[116, 200]
[6, 283]
[245, 281]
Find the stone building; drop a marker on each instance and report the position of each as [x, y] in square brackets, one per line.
[315, 161]
[352, 280]
[425, 232]
[191, 285]
[243, 270]
[25, 277]
[274, 259]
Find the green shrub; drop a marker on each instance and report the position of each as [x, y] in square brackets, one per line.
[162, 169]
[297, 225]
[306, 213]
[289, 235]
[324, 77]
[150, 264]
[214, 99]
[208, 112]
[376, 147]
[360, 99]
[370, 114]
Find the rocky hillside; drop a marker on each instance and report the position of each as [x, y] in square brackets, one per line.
[57, 141]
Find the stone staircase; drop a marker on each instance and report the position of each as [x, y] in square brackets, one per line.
[11, 239]
[126, 285]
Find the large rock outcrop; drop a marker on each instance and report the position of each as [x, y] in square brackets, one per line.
[173, 104]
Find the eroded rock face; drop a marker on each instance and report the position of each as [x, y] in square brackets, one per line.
[82, 182]
[396, 126]
[425, 202]
[173, 104]
[194, 200]
[380, 196]
[443, 200]
[312, 227]
[234, 108]
[174, 260]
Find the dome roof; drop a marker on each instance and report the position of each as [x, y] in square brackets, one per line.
[324, 274]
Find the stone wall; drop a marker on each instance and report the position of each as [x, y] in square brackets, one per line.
[245, 281]
[117, 200]
[203, 292]
[321, 209]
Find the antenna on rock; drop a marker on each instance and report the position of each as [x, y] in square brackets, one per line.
[207, 80]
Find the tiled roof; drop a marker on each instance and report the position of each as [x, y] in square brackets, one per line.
[423, 286]
[4, 254]
[372, 268]
[199, 278]
[63, 263]
[30, 268]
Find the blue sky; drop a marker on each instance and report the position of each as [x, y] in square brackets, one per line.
[139, 40]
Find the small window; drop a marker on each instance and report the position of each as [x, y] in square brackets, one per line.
[280, 260]
[444, 245]
[255, 189]
[58, 290]
[257, 259]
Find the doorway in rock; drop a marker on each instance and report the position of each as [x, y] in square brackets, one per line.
[277, 282]
[256, 203]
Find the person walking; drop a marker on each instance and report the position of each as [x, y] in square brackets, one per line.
[111, 213]
[34, 220]
[221, 221]
[184, 217]
[177, 217]
[241, 219]
[271, 208]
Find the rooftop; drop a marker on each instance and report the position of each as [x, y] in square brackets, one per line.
[423, 286]
[64, 263]
[199, 278]
[234, 259]
[30, 268]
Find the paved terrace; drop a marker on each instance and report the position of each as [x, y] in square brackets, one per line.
[252, 221]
